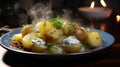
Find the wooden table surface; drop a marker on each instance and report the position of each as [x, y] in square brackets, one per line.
[109, 57]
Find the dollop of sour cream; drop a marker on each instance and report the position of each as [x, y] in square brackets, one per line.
[71, 40]
[39, 42]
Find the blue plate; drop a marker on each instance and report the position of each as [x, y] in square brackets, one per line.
[108, 40]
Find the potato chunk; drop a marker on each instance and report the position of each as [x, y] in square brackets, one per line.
[52, 34]
[72, 48]
[71, 44]
[17, 37]
[27, 39]
[42, 29]
[94, 39]
[26, 29]
[37, 48]
[80, 34]
[69, 28]
[38, 45]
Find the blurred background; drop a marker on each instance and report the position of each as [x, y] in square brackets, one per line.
[18, 12]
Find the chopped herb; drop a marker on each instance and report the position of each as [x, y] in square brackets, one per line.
[57, 22]
[72, 26]
[56, 50]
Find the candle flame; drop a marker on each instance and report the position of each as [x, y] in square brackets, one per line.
[103, 3]
[92, 5]
[118, 18]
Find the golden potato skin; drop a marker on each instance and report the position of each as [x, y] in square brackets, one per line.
[94, 39]
[65, 28]
[27, 39]
[80, 34]
[72, 48]
[42, 29]
[52, 34]
[37, 48]
[69, 28]
[26, 29]
[17, 37]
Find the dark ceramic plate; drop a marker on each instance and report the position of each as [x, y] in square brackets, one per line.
[7, 38]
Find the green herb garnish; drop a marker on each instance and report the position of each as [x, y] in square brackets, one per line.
[57, 22]
[72, 26]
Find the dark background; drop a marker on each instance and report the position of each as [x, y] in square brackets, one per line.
[17, 15]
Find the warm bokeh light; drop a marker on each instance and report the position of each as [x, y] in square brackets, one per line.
[92, 25]
[103, 3]
[102, 27]
[92, 5]
[118, 18]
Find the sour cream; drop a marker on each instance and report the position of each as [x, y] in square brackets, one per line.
[39, 42]
[71, 40]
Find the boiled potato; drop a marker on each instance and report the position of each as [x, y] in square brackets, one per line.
[72, 48]
[38, 45]
[27, 39]
[80, 34]
[52, 34]
[94, 39]
[65, 28]
[39, 27]
[17, 37]
[37, 48]
[42, 28]
[26, 29]
[69, 28]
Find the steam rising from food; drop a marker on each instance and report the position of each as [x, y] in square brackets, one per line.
[39, 10]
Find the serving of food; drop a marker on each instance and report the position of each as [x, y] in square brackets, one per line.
[56, 36]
